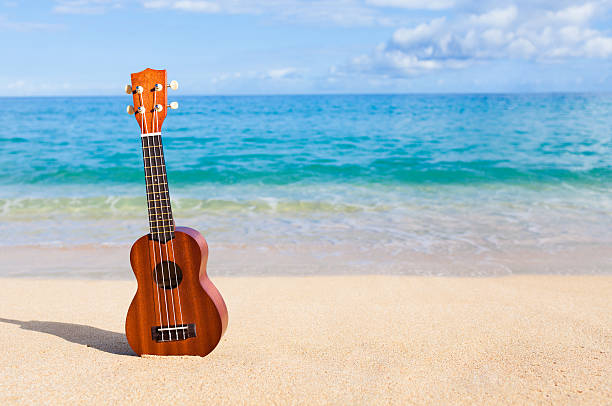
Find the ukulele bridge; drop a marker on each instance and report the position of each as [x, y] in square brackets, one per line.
[177, 332]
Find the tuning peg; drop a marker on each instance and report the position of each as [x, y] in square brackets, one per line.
[159, 107]
[128, 89]
[158, 87]
[173, 85]
[130, 109]
[139, 89]
[173, 105]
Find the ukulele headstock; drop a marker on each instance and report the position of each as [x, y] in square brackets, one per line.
[149, 89]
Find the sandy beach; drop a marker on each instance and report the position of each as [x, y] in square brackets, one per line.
[322, 340]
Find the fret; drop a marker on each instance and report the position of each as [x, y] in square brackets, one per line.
[160, 220]
[150, 176]
[167, 222]
[164, 217]
[159, 200]
[164, 224]
[170, 228]
[154, 156]
[157, 187]
[157, 193]
[162, 207]
[155, 166]
[157, 205]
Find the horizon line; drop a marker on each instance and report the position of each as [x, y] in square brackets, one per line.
[599, 92]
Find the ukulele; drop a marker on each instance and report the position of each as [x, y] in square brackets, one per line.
[176, 310]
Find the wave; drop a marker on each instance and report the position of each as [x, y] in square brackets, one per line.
[386, 171]
[100, 207]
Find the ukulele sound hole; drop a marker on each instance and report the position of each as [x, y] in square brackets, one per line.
[167, 275]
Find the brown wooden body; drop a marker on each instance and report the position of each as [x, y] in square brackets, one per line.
[200, 301]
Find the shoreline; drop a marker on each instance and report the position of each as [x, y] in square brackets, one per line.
[320, 340]
[111, 262]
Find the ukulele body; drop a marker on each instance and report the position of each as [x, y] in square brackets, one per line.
[176, 310]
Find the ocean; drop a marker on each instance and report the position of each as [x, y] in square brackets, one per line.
[403, 184]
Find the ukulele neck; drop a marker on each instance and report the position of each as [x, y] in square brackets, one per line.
[161, 222]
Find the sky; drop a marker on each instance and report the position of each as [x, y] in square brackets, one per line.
[90, 47]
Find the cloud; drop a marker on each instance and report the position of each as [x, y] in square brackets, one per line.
[414, 4]
[26, 26]
[501, 17]
[85, 6]
[196, 6]
[344, 12]
[283, 73]
[499, 34]
[18, 84]
[271, 75]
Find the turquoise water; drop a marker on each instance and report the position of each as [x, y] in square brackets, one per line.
[410, 173]
[281, 140]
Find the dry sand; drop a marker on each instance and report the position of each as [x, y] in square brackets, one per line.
[322, 340]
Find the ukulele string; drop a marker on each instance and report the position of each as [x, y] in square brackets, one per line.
[143, 131]
[159, 157]
[161, 255]
[171, 243]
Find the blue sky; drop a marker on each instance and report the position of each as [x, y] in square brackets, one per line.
[89, 47]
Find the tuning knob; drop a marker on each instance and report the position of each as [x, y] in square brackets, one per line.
[128, 89]
[130, 109]
[159, 108]
[173, 85]
[139, 89]
[173, 105]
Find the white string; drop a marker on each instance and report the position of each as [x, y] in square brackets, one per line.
[143, 130]
[159, 153]
[178, 292]
[161, 257]
[171, 242]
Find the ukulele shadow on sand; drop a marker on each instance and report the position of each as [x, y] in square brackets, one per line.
[93, 337]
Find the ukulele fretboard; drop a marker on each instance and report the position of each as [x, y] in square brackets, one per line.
[161, 222]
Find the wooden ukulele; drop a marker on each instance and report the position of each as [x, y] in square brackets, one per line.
[176, 310]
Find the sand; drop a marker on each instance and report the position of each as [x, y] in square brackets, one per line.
[322, 340]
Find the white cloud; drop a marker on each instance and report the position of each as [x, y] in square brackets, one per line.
[199, 6]
[412, 36]
[574, 14]
[282, 73]
[85, 6]
[18, 84]
[501, 17]
[271, 75]
[497, 34]
[599, 47]
[414, 4]
[24, 26]
[196, 6]
[344, 12]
